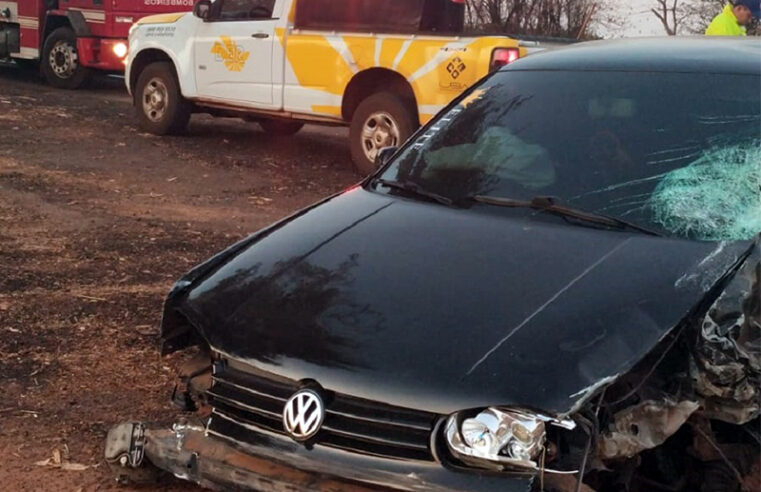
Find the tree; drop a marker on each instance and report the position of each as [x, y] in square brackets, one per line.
[556, 18]
[692, 16]
[671, 14]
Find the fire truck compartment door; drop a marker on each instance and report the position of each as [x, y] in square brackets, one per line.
[10, 40]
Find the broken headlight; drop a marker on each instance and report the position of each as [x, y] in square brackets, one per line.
[499, 438]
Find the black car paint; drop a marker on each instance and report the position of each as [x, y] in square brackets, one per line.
[725, 55]
[306, 277]
[358, 295]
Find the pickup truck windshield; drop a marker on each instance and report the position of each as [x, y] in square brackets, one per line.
[677, 153]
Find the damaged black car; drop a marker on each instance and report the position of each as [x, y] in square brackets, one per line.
[554, 285]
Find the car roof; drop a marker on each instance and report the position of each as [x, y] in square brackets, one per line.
[663, 54]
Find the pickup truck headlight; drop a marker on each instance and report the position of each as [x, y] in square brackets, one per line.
[499, 438]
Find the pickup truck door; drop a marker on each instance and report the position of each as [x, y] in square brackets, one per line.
[233, 52]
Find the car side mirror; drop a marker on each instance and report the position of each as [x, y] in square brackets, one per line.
[202, 9]
[384, 155]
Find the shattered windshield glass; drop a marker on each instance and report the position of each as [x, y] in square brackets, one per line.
[679, 153]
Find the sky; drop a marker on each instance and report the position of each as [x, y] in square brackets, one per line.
[640, 21]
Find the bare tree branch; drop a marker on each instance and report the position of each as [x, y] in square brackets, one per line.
[559, 18]
[663, 11]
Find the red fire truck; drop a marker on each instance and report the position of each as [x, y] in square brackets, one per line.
[69, 38]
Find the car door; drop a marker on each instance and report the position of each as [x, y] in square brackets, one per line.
[233, 52]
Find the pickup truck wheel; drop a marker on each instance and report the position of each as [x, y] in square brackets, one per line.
[381, 120]
[281, 128]
[60, 60]
[161, 109]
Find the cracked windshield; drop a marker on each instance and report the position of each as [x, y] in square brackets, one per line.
[680, 159]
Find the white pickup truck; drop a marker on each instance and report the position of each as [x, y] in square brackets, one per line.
[384, 67]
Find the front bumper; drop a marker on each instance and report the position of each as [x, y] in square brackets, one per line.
[100, 54]
[278, 464]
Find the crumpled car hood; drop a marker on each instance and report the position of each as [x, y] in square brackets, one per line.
[440, 309]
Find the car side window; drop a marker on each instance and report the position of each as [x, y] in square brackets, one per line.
[246, 10]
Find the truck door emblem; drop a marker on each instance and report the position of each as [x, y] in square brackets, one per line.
[456, 67]
[231, 54]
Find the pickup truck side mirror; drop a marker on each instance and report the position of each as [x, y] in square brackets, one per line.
[384, 155]
[202, 9]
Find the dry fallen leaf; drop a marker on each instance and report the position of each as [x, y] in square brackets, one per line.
[61, 460]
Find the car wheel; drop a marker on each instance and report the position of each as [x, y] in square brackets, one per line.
[381, 120]
[281, 128]
[161, 109]
[60, 60]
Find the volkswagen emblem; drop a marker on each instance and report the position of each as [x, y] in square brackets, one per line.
[303, 415]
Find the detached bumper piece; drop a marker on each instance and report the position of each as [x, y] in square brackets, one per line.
[139, 455]
[125, 454]
[142, 455]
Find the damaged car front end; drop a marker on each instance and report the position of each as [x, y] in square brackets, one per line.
[687, 416]
[518, 301]
[684, 418]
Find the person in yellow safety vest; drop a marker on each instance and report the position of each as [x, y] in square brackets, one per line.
[734, 19]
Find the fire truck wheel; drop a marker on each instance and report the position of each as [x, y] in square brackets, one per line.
[161, 109]
[60, 61]
[281, 128]
[381, 120]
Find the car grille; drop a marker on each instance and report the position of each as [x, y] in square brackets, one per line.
[244, 400]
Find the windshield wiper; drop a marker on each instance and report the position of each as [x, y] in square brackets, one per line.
[415, 189]
[549, 205]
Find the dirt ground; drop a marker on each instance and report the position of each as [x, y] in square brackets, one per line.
[96, 221]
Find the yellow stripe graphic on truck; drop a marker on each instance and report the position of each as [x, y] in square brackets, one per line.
[317, 64]
[438, 69]
[161, 18]
[329, 110]
[390, 49]
[362, 51]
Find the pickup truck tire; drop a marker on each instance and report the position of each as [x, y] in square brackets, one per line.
[281, 128]
[60, 61]
[381, 120]
[161, 109]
